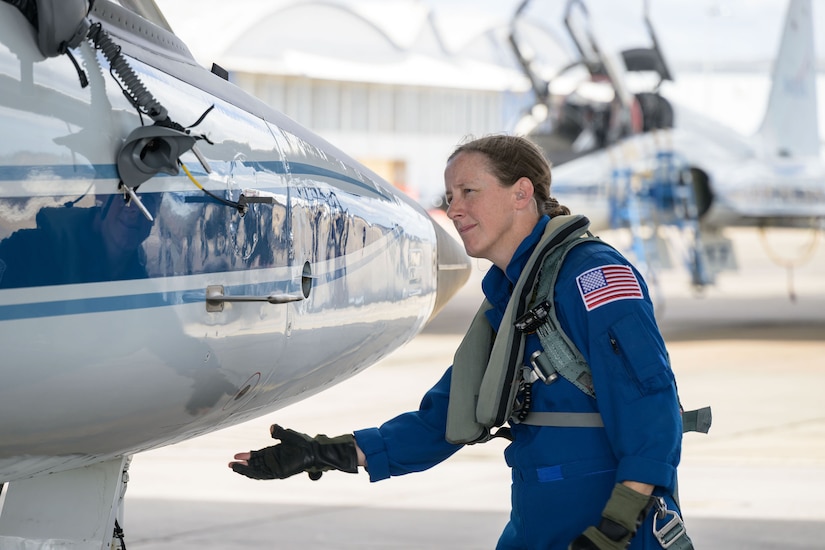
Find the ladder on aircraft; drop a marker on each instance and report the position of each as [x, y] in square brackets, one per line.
[648, 199]
[671, 190]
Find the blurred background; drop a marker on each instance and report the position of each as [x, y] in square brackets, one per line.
[397, 84]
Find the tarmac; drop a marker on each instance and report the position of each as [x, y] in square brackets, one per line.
[756, 481]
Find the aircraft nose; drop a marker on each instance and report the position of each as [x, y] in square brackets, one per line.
[453, 268]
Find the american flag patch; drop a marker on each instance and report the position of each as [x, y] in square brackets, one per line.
[606, 284]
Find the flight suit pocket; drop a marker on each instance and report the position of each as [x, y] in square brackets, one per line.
[643, 357]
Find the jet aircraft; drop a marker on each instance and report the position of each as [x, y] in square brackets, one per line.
[586, 104]
[176, 257]
[674, 178]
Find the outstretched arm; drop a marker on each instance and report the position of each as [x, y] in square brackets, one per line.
[298, 453]
[242, 459]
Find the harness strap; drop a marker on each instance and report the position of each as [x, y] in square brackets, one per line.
[698, 420]
[487, 366]
[692, 421]
[560, 355]
[564, 419]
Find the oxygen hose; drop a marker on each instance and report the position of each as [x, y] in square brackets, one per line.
[146, 151]
[130, 82]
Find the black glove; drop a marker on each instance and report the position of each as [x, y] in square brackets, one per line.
[622, 515]
[298, 453]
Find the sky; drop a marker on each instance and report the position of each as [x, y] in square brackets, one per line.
[690, 31]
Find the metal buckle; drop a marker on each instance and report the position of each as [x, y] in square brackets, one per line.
[540, 372]
[673, 530]
[534, 318]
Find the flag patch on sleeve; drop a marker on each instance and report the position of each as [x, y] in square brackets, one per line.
[606, 284]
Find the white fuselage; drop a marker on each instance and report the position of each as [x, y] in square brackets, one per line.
[107, 342]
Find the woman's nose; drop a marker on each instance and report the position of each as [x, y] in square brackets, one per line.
[453, 209]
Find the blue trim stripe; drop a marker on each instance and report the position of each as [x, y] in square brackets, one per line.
[89, 305]
[303, 169]
[128, 302]
[26, 172]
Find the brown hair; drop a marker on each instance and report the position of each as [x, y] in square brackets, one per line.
[514, 157]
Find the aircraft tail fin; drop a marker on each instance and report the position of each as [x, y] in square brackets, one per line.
[791, 125]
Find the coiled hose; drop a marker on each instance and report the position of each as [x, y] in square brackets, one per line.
[130, 82]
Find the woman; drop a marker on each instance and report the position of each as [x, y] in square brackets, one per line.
[577, 487]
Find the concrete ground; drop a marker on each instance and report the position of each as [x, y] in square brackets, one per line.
[756, 482]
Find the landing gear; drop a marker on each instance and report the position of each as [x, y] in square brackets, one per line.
[79, 509]
[666, 199]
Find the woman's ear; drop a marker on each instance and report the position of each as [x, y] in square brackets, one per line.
[523, 189]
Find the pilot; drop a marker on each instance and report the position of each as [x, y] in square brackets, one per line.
[589, 485]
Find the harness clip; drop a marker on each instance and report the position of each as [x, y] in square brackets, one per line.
[542, 368]
[673, 530]
[534, 318]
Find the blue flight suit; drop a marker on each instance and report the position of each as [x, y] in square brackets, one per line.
[563, 476]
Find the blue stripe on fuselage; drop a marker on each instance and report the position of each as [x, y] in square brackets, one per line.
[57, 171]
[88, 305]
[128, 302]
[109, 171]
